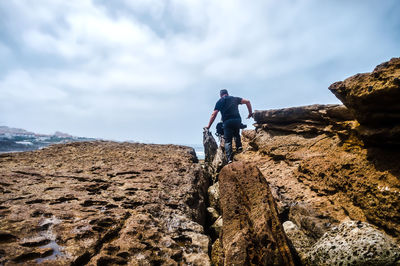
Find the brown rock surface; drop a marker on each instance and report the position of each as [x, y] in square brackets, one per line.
[373, 97]
[317, 113]
[103, 203]
[252, 233]
[374, 100]
[323, 175]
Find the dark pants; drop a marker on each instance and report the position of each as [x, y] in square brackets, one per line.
[232, 130]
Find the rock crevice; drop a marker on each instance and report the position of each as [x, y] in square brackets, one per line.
[333, 172]
[245, 222]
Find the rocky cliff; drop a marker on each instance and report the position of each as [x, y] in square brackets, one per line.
[334, 173]
[373, 98]
[315, 185]
[103, 203]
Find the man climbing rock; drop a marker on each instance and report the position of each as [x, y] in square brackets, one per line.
[228, 106]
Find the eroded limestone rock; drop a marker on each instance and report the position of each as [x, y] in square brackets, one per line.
[322, 177]
[354, 243]
[374, 100]
[301, 242]
[321, 166]
[252, 232]
[373, 97]
[102, 203]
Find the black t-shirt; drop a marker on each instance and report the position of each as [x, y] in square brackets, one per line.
[228, 106]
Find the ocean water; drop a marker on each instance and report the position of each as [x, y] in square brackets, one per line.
[199, 149]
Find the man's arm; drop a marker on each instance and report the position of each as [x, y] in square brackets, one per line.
[212, 118]
[248, 104]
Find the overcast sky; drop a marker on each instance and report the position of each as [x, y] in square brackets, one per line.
[151, 71]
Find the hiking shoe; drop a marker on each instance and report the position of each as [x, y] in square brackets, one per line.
[230, 161]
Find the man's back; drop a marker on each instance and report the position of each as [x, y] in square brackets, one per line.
[228, 106]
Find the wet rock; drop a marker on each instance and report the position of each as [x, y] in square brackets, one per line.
[252, 232]
[102, 203]
[354, 243]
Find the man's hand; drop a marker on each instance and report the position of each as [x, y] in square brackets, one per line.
[250, 115]
[206, 128]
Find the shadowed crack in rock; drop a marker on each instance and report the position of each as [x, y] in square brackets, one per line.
[107, 237]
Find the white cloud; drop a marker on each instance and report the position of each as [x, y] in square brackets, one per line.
[20, 86]
[4, 51]
[94, 59]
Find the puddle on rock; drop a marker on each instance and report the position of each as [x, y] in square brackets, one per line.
[56, 252]
[48, 234]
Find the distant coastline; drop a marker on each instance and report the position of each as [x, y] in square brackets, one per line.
[19, 140]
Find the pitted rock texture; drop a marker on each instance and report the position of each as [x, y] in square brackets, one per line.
[322, 173]
[322, 177]
[373, 97]
[374, 100]
[252, 233]
[323, 168]
[354, 243]
[299, 239]
[102, 203]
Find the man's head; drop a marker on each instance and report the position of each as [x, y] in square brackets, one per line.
[223, 92]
